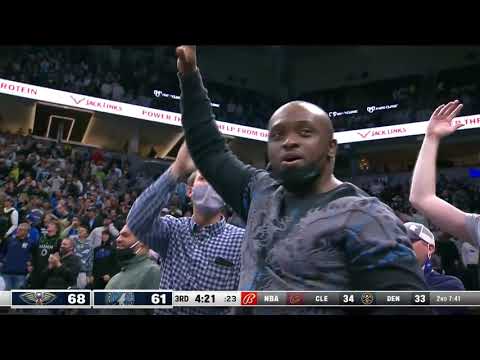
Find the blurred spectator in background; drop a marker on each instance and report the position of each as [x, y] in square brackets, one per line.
[93, 219]
[95, 237]
[118, 91]
[423, 242]
[62, 269]
[71, 231]
[470, 261]
[138, 271]
[49, 244]
[449, 254]
[105, 264]
[9, 221]
[15, 253]
[84, 251]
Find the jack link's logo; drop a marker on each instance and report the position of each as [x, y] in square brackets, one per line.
[77, 101]
[249, 298]
[38, 298]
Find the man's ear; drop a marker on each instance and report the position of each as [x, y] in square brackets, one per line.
[189, 191]
[332, 149]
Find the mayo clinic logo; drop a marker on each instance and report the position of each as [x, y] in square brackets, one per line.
[372, 109]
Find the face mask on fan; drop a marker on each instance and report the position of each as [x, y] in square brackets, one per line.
[206, 200]
[123, 255]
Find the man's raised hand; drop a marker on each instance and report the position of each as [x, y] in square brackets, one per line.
[186, 59]
[441, 122]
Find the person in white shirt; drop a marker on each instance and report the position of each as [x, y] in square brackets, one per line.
[462, 225]
[95, 237]
[78, 184]
[12, 215]
[56, 181]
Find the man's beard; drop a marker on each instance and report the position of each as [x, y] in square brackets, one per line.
[299, 180]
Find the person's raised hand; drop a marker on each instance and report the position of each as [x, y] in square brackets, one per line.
[183, 165]
[441, 122]
[186, 59]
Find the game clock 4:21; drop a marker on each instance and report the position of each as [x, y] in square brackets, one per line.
[205, 298]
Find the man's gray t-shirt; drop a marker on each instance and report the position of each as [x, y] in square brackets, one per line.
[473, 227]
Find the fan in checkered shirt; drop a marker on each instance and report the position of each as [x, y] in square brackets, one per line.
[201, 252]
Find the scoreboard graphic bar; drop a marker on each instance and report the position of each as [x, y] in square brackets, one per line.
[52, 299]
[360, 298]
[132, 299]
[160, 299]
[207, 298]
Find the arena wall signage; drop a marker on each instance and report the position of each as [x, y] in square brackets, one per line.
[166, 117]
[160, 93]
[334, 114]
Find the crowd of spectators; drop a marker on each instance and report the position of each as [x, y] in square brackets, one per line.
[55, 196]
[133, 76]
[452, 256]
[62, 192]
[132, 79]
[414, 98]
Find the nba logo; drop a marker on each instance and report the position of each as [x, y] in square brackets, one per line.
[249, 298]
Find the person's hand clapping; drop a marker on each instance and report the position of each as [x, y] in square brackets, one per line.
[186, 59]
[54, 261]
[441, 121]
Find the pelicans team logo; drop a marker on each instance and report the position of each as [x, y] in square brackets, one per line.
[38, 298]
[120, 298]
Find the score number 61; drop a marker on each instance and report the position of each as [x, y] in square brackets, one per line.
[158, 299]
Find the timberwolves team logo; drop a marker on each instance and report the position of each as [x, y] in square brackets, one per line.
[120, 298]
[38, 298]
[367, 299]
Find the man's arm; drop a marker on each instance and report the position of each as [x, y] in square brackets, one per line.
[65, 232]
[423, 190]
[144, 218]
[223, 170]
[113, 230]
[14, 220]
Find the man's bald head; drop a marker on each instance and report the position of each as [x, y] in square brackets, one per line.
[303, 110]
[301, 147]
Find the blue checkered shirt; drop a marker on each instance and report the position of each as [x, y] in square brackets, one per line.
[193, 257]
